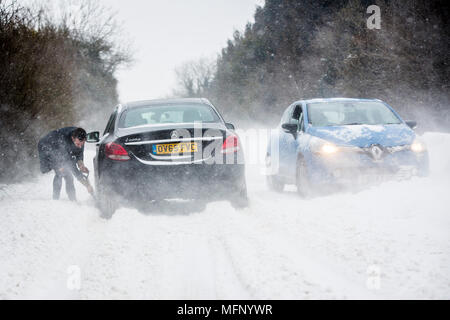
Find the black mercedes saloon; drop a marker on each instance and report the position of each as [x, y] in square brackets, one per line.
[167, 149]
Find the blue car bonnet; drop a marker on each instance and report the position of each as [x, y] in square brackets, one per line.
[365, 135]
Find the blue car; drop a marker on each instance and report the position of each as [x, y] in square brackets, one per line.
[323, 144]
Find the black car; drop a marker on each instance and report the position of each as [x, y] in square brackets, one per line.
[166, 149]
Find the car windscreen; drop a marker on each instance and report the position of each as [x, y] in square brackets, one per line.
[160, 114]
[340, 113]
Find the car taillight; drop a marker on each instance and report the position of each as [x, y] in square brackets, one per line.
[116, 152]
[231, 144]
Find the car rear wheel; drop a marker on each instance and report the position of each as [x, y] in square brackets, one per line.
[304, 186]
[273, 181]
[105, 200]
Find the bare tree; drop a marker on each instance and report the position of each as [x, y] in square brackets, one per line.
[195, 77]
[56, 67]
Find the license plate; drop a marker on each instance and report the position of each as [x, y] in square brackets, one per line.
[170, 148]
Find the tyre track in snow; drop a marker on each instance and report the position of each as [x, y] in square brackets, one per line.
[162, 258]
[271, 264]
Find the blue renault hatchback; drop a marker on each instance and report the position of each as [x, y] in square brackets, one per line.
[323, 143]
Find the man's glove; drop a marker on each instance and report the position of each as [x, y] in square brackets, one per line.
[82, 167]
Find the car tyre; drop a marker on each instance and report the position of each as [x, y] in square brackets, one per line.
[304, 186]
[105, 200]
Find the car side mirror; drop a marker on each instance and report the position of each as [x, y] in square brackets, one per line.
[290, 127]
[412, 124]
[93, 137]
[230, 126]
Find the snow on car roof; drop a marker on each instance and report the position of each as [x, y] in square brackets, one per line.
[316, 100]
[165, 101]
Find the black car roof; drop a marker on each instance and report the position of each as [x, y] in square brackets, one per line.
[143, 103]
[136, 104]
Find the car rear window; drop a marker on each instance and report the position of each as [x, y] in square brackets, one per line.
[160, 114]
[339, 113]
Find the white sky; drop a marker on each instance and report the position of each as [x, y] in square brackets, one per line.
[164, 34]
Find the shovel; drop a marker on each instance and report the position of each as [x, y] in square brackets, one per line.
[87, 183]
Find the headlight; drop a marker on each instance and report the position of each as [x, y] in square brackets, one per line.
[418, 146]
[323, 147]
[329, 148]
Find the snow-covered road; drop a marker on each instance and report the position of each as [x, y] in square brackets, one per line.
[389, 241]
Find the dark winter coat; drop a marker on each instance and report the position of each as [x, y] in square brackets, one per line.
[57, 150]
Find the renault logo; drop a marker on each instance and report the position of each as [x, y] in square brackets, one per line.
[174, 134]
[376, 152]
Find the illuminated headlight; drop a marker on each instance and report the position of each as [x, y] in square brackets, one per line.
[418, 146]
[323, 147]
[329, 148]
